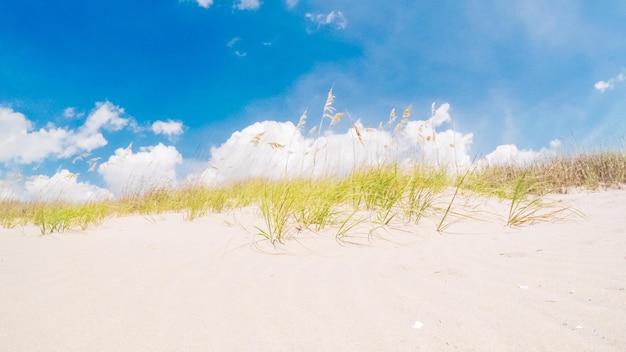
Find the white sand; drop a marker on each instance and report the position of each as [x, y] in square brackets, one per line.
[164, 284]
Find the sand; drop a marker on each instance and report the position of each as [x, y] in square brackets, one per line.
[161, 283]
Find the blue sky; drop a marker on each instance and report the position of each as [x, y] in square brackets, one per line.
[177, 79]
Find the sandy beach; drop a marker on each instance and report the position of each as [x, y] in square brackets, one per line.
[160, 283]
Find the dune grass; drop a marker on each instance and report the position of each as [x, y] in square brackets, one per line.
[383, 195]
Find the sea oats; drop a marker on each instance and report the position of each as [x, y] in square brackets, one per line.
[392, 116]
[301, 122]
[405, 119]
[328, 109]
[358, 134]
[406, 114]
[275, 145]
[336, 118]
[93, 162]
[80, 157]
[257, 139]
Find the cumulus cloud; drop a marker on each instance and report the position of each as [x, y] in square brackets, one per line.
[9, 188]
[555, 143]
[275, 150]
[334, 18]
[509, 154]
[610, 83]
[63, 186]
[247, 4]
[169, 128]
[20, 143]
[152, 167]
[205, 3]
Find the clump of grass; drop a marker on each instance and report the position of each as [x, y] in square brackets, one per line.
[317, 205]
[378, 189]
[13, 213]
[277, 206]
[422, 189]
[60, 217]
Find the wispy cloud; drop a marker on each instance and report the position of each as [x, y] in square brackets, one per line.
[205, 3]
[71, 113]
[233, 41]
[291, 4]
[333, 18]
[602, 86]
[247, 4]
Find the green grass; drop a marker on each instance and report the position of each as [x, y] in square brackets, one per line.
[388, 193]
[382, 196]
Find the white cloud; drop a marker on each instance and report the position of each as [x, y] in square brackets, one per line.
[18, 141]
[168, 128]
[555, 143]
[334, 18]
[509, 154]
[69, 112]
[277, 150]
[233, 41]
[63, 186]
[9, 189]
[610, 84]
[152, 167]
[247, 5]
[291, 3]
[205, 3]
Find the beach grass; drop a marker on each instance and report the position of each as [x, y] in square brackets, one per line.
[382, 195]
[385, 192]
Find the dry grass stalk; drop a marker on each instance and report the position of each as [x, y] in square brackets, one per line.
[301, 122]
[257, 139]
[275, 145]
[358, 133]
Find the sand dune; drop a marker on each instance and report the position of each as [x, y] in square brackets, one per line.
[161, 283]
